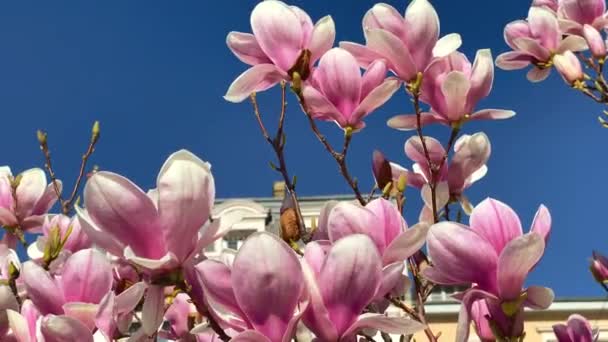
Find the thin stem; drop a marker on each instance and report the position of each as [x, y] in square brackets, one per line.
[339, 157]
[446, 212]
[67, 206]
[416, 100]
[278, 143]
[49, 166]
[414, 315]
[372, 192]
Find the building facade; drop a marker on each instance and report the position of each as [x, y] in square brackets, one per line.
[262, 214]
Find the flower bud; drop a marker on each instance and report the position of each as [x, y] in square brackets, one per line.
[569, 67]
[596, 43]
[381, 168]
[599, 268]
[290, 230]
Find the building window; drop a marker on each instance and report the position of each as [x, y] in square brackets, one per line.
[235, 238]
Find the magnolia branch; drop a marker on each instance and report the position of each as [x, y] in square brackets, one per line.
[204, 311]
[278, 143]
[67, 204]
[339, 157]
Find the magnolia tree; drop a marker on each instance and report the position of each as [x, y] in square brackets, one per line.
[126, 264]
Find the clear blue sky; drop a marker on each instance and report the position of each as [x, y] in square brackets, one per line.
[154, 72]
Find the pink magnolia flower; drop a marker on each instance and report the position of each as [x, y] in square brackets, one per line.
[278, 47]
[24, 199]
[569, 67]
[320, 232]
[453, 87]
[574, 14]
[407, 43]
[577, 329]
[261, 294]
[599, 268]
[178, 314]
[158, 230]
[497, 266]
[381, 221]
[342, 280]
[468, 165]
[535, 42]
[86, 277]
[338, 92]
[75, 241]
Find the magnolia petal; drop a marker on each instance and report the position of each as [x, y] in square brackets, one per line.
[543, 24]
[455, 88]
[364, 55]
[128, 299]
[391, 47]
[86, 277]
[322, 38]
[250, 336]
[386, 17]
[414, 149]
[272, 23]
[390, 325]
[348, 218]
[538, 75]
[150, 264]
[7, 302]
[482, 77]
[95, 234]
[316, 317]
[532, 48]
[153, 309]
[30, 189]
[542, 223]
[31, 315]
[492, 114]
[339, 79]
[48, 198]
[320, 107]
[373, 77]
[246, 48]
[496, 222]
[104, 318]
[186, 192]
[422, 31]
[42, 289]
[516, 261]
[539, 297]
[406, 244]
[390, 221]
[409, 122]
[513, 60]
[258, 78]
[83, 312]
[349, 279]
[464, 316]
[18, 325]
[447, 44]
[217, 281]
[315, 254]
[449, 248]
[442, 195]
[376, 98]
[321, 233]
[265, 292]
[572, 43]
[580, 329]
[64, 328]
[391, 276]
[123, 210]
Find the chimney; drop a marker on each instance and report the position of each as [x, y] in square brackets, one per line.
[278, 189]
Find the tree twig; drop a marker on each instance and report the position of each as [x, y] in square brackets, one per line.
[278, 143]
[339, 157]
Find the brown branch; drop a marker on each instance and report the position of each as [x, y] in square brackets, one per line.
[420, 300]
[42, 139]
[339, 157]
[67, 205]
[278, 143]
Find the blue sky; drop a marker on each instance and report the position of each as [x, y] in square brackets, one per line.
[154, 72]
